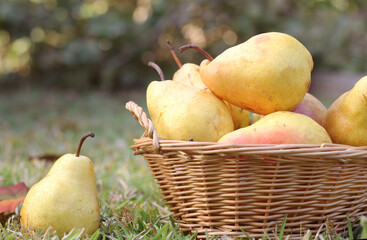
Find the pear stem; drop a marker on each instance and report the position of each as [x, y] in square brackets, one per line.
[90, 134]
[206, 54]
[158, 69]
[172, 50]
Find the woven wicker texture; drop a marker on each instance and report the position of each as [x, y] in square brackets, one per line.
[224, 189]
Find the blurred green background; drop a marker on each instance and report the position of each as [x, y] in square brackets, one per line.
[106, 44]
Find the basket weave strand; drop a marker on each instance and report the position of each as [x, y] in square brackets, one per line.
[226, 189]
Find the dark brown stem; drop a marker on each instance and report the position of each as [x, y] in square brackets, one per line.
[158, 69]
[90, 134]
[207, 55]
[172, 50]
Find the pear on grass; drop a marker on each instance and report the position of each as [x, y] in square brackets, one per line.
[65, 199]
[267, 73]
[346, 118]
[181, 112]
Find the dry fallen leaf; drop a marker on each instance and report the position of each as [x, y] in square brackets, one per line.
[10, 204]
[49, 158]
[11, 196]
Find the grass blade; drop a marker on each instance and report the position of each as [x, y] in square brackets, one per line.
[350, 230]
[5, 232]
[10, 236]
[283, 227]
[266, 236]
[248, 236]
[119, 235]
[193, 236]
[364, 227]
[161, 232]
[95, 235]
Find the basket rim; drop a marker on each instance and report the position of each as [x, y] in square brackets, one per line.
[150, 136]
[343, 153]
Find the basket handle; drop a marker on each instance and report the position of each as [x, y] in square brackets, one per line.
[145, 122]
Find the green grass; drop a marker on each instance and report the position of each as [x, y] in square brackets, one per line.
[37, 122]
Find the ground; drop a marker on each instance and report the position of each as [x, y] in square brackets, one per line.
[39, 125]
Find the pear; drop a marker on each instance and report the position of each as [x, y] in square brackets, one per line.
[267, 73]
[65, 199]
[346, 118]
[309, 106]
[281, 127]
[189, 74]
[240, 116]
[181, 112]
[312, 107]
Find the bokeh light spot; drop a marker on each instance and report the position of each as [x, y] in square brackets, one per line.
[194, 34]
[230, 37]
[21, 45]
[142, 12]
[37, 35]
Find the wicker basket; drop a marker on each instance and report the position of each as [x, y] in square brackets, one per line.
[227, 189]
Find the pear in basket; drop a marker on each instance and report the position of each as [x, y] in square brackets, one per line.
[309, 106]
[240, 116]
[189, 74]
[267, 73]
[281, 127]
[346, 119]
[180, 112]
[312, 107]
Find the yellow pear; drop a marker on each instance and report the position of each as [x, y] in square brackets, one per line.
[281, 127]
[65, 199]
[189, 74]
[267, 73]
[181, 112]
[240, 117]
[346, 118]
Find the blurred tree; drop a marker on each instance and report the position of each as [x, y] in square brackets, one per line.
[106, 43]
